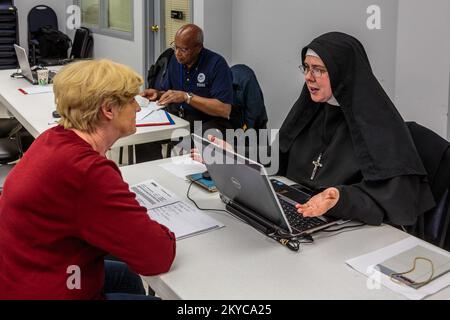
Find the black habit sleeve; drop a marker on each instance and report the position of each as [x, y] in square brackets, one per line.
[389, 200]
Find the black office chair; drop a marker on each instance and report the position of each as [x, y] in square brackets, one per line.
[249, 110]
[158, 71]
[156, 75]
[435, 154]
[10, 147]
[38, 17]
[82, 44]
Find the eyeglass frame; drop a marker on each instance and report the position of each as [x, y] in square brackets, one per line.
[315, 72]
[182, 50]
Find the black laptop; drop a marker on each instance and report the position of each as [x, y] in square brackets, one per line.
[266, 204]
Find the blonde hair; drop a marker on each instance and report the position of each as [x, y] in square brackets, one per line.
[81, 88]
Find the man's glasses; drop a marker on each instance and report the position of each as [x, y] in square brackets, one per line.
[182, 50]
[316, 72]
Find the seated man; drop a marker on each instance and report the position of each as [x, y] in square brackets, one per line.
[198, 86]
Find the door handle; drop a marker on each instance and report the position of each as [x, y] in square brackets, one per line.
[154, 28]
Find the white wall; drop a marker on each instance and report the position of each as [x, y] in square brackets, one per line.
[423, 63]
[218, 27]
[215, 18]
[198, 13]
[269, 35]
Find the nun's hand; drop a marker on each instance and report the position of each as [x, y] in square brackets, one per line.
[196, 156]
[320, 203]
[220, 143]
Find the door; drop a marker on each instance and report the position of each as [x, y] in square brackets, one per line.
[162, 20]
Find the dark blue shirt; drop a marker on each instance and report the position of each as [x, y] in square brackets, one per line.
[209, 77]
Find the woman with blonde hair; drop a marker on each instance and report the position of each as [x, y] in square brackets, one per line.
[65, 205]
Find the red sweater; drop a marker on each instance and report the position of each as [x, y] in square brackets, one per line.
[66, 205]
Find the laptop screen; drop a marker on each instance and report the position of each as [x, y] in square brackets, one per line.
[242, 181]
[23, 62]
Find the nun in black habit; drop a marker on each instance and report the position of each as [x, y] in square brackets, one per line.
[345, 139]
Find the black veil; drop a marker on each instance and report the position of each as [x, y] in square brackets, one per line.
[383, 146]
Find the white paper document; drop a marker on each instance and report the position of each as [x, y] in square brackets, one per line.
[148, 110]
[37, 89]
[152, 115]
[158, 117]
[165, 207]
[400, 256]
[142, 101]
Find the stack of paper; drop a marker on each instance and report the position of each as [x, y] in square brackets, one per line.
[37, 89]
[152, 115]
[165, 207]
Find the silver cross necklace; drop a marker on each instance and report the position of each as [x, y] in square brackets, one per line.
[326, 139]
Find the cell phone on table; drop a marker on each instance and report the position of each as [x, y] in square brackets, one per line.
[198, 179]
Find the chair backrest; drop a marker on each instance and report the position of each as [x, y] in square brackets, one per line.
[38, 17]
[41, 16]
[6, 3]
[82, 44]
[248, 97]
[436, 223]
[158, 71]
[8, 127]
[5, 169]
[435, 154]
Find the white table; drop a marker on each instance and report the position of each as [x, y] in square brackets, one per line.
[238, 262]
[35, 111]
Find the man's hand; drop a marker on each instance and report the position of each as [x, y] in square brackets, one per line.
[150, 94]
[195, 153]
[320, 203]
[172, 96]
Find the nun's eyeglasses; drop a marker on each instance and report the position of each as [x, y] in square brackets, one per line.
[316, 72]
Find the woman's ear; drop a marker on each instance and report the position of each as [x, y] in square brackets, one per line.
[107, 110]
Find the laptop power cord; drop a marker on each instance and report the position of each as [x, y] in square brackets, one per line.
[291, 242]
[195, 203]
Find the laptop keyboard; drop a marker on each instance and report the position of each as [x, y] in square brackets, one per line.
[296, 220]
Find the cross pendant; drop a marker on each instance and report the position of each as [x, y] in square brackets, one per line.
[317, 165]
